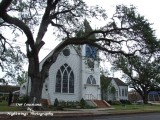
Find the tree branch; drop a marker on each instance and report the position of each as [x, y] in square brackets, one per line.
[3, 44]
[4, 5]
[45, 19]
[61, 27]
[92, 42]
[21, 25]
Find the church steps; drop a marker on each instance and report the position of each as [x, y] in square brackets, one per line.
[101, 103]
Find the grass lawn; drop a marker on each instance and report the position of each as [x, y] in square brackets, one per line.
[4, 107]
[135, 108]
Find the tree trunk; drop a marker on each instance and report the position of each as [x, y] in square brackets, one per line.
[145, 98]
[143, 93]
[36, 78]
[36, 90]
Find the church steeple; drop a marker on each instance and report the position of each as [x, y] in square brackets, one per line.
[85, 30]
[89, 50]
[88, 29]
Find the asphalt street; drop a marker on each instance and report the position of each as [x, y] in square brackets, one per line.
[148, 116]
[144, 116]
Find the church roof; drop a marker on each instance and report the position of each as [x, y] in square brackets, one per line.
[117, 80]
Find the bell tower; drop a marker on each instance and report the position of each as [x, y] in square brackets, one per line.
[90, 69]
[90, 73]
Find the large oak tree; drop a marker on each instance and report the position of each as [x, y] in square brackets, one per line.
[125, 29]
[141, 73]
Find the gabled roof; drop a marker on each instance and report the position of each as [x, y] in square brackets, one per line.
[51, 52]
[8, 88]
[117, 80]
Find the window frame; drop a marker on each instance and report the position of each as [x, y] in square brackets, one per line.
[66, 78]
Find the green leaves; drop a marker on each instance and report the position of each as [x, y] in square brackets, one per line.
[22, 78]
[141, 71]
[12, 61]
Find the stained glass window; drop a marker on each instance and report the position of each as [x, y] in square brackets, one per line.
[65, 80]
[90, 51]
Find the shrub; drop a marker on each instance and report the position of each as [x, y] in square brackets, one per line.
[82, 103]
[127, 102]
[56, 103]
[114, 102]
[59, 108]
[24, 99]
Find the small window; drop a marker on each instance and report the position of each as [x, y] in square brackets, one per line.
[66, 52]
[91, 80]
[119, 91]
[122, 92]
[126, 92]
[116, 93]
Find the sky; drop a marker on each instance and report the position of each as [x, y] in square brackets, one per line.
[147, 8]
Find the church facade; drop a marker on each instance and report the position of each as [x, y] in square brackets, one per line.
[74, 75]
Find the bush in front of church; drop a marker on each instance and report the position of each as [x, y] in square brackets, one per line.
[56, 103]
[82, 103]
[126, 102]
[23, 99]
[114, 102]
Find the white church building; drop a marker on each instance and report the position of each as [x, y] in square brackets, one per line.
[74, 75]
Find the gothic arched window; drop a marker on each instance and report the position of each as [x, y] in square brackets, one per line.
[65, 80]
[91, 80]
[90, 51]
